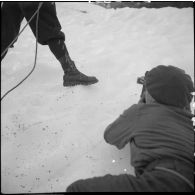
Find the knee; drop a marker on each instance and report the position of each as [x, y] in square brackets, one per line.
[70, 188]
[74, 187]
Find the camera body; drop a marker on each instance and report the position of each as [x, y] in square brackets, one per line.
[141, 80]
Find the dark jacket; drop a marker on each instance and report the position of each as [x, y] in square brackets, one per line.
[154, 131]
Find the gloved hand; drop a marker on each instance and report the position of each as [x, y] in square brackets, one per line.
[141, 80]
[142, 96]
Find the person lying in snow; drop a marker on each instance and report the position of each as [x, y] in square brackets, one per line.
[160, 132]
[49, 28]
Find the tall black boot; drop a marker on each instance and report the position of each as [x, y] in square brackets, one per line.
[72, 76]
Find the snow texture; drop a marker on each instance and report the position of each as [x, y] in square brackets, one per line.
[51, 135]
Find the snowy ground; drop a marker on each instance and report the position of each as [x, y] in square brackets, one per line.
[51, 135]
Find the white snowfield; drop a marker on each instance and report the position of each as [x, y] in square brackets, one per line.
[51, 135]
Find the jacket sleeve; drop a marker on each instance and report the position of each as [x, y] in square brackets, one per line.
[118, 133]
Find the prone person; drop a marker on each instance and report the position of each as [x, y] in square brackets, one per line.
[159, 129]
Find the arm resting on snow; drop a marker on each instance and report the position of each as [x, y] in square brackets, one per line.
[118, 133]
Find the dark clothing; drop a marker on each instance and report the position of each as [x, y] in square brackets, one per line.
[151, 180]
[159, 136]
[49, 33]
[12, 14]
[154, 131]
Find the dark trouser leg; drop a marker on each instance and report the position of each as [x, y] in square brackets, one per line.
[50, 34]
[11, 18]
[71, 75]
[107, 183]
[150, 181]
[49, 26]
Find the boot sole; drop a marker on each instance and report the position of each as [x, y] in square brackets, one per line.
[69, 84]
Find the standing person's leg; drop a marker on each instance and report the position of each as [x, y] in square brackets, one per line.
[50, 34]
[72, 76]
[11, 18]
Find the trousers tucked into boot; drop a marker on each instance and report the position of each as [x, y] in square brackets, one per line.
[72, 76]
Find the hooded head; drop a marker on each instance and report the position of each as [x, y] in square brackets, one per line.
[169, 85]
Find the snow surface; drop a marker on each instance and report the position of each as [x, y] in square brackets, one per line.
[51, 135]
